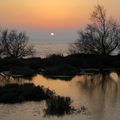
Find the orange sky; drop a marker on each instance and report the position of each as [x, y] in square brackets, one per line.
[44, 13]
[51, 14]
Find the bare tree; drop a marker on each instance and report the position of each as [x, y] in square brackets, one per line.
[15, 44]
[102, 36]
[1, 47]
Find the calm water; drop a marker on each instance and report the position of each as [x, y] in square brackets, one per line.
[45, 49]
[99, 93]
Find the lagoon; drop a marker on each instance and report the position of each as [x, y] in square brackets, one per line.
[99, 93]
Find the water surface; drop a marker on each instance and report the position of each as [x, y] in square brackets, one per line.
[45, 49]
[100, 94]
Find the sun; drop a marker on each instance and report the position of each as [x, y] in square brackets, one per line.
[52, 34]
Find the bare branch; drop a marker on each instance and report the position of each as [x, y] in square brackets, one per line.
[102, 36]
[15, 44]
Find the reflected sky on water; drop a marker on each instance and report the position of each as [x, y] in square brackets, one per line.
[100, 93]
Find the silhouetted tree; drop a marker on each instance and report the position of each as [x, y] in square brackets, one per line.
[102, 36]
[15, 44]
[1, 49]
[1, 46]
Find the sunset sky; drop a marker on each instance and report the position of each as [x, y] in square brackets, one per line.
[38, 18]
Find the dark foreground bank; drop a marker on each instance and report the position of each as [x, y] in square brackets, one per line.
[15, 93]
[58, 65]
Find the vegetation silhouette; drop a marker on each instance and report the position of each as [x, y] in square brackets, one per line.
[14, 44]
[16, 93]
[59, 106]
[101, 37]
[64, 67]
